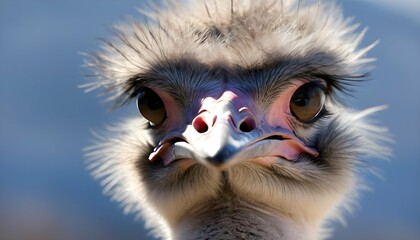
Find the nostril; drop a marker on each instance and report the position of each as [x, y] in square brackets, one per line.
[214, 120]
[247, 125]
[200, 125]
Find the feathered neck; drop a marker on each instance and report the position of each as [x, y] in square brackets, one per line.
[230, 217]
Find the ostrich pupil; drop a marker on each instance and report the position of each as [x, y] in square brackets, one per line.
[301, 100]
[154, 102]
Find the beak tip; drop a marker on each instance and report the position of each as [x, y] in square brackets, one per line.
[222, 160]
[216, 160]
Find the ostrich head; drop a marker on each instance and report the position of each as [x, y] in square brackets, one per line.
[240, 134]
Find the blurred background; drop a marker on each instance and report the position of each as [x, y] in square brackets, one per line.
[45, 121]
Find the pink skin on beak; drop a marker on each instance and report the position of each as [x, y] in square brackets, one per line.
[226, 131]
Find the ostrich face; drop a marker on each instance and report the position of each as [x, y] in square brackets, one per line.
[236, 104]
[258, 136]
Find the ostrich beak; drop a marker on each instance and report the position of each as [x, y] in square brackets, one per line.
[220, 144]
[222, 135]
[223, 146]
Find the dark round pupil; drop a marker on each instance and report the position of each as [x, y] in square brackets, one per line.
[151, 100]
[301, 99]
[154, 102]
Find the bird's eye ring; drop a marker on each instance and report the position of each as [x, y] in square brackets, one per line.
[308, 101]
[151, 106]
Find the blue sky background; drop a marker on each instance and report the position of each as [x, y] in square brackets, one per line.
[45, 192]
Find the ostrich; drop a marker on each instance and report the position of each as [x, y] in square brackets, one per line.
[240, 134]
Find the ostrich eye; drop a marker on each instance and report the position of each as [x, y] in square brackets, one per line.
[307, 101]
[151, 107]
